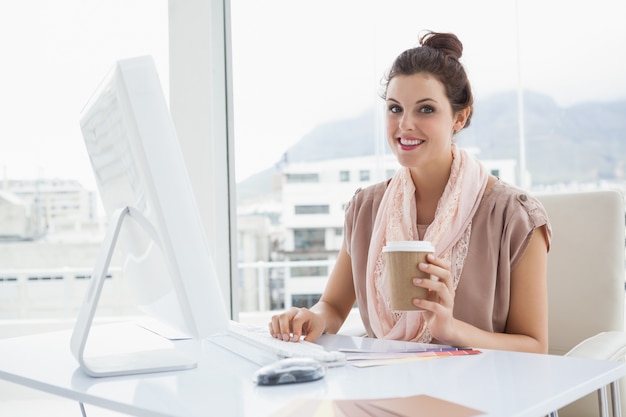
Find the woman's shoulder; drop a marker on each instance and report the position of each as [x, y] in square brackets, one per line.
[360, 215]
[511, 201]
[370, 194]
[365, 201]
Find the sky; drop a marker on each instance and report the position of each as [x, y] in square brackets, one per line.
[54, 54]
[294, 65]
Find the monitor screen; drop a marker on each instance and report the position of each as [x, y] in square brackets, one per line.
[137, 162]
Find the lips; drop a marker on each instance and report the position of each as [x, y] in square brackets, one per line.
[408, 143]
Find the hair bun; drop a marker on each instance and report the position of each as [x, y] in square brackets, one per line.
[447, 43]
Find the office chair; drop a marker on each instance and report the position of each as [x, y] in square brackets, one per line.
[586, 287]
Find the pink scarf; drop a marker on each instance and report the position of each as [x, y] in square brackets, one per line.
[449, 232]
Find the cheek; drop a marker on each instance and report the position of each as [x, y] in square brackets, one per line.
[391, 139]
[437, 126]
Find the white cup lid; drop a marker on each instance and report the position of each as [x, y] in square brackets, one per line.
[409, 246]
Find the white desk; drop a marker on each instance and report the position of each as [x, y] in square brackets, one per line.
[499, 383]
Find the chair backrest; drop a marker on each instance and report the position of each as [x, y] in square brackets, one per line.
[586, 266]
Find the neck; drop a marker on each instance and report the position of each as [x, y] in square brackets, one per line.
[430, 183]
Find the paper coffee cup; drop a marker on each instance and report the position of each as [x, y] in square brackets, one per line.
[401, 260]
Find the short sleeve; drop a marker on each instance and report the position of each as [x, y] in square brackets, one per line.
[360, 214]
[527, 214]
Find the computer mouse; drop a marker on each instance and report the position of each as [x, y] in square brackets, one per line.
[290, 371]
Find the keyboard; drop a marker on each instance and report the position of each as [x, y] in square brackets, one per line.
[256, 344]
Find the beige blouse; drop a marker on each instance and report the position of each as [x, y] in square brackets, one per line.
[501, 231]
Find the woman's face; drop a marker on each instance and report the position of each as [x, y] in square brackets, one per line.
[420, 121]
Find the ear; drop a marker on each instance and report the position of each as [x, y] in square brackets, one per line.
[461, 118]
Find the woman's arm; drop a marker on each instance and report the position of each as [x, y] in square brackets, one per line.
[528, 311]
[327, 315]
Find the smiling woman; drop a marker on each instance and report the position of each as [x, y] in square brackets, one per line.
[486, 237]
[319, 80]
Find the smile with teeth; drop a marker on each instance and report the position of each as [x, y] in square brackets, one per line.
[410, 142]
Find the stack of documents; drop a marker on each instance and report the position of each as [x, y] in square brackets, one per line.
[365, 357]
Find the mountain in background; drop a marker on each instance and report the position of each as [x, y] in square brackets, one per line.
[584, 142]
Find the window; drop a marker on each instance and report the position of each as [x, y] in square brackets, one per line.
[316, 209]
[307, 269]
[305, 300]
[364, 175]
[298, 178]
[309, 238]
[51, 222]
[344, 176]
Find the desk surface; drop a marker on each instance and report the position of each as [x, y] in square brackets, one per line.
[496, 382]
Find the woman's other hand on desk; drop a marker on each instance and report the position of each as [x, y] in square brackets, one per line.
[296, 322]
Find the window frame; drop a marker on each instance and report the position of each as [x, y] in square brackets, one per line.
[201, 107]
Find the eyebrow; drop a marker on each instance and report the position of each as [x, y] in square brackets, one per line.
[423, 100]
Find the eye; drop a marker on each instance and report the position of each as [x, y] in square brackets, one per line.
[394, 108]
[427, 109]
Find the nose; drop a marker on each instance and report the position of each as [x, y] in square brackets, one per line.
[406, 122]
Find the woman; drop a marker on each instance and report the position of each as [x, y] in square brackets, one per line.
[488, 273]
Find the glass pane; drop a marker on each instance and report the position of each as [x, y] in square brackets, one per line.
[549, 104]
[51, 225]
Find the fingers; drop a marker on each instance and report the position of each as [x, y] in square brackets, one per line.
[440, 282]
[438, 269]
[429, 305]
[439, 293]
[294, 323]
[280, 325]
[303, 324]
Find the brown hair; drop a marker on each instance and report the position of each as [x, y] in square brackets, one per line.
[437, 55]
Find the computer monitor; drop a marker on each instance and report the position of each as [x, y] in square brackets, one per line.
[154, 224]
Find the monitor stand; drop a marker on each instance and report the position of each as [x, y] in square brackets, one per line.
[131, 363]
